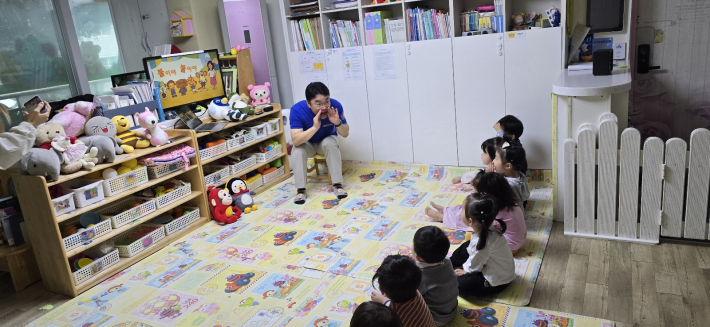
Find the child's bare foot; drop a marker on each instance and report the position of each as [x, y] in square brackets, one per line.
[456, 180]
[437, 207]
[433, 214]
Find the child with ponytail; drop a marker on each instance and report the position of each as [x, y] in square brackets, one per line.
[484, 264]
[510, 161]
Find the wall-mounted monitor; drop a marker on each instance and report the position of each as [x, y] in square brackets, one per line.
[605, 15]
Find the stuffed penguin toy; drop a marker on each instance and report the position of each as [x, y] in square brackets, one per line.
[241, 197]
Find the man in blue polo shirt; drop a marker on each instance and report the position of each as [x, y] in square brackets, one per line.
[315, 125]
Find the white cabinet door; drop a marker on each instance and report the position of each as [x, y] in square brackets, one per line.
[431, 101]
[346, 81]
[479, 84]
[533, 61]
[306, 67]
[388, 99]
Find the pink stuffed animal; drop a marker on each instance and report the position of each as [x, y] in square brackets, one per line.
[74, 117]
[260, 94]
[153, 131]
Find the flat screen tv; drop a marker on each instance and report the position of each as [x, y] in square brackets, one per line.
[605, 15]
[184, 78]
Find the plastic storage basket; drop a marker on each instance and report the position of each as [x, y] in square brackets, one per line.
[268, 155]
[87, 235]
[124, 182]
[85, 191]
[95, 267]
[63, 204]
[217, 175]
[182, 222]
[243, 165]
[128, 216]
[259, 131]
[272, 126]
[156, 234]
[256, 183]
[162, 170]
[273, 175]
[173, 196]
[240, 141]
[213, 151]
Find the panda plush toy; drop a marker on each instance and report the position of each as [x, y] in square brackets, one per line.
[241, 197]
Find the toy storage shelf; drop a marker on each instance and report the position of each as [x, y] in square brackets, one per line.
[279, 136]
[44, 225]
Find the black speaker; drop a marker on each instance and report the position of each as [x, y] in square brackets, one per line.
[602, 62]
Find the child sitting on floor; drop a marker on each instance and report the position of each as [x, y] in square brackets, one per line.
[439, 285]
[486, 263]
[497, 186]
[399, 278]
[510, 161]
[371, 313]
[509, 127]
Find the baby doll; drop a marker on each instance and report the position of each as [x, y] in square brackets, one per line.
[74, 151]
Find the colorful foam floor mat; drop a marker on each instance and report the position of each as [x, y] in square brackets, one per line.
[310, 265]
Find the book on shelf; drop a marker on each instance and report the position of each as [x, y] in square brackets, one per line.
[306, 34]
[133, 93]
[427, 24]
[395, 30]
[344, 33]
[476, 21]
[304, 7]
[341, 4]
[374, 27]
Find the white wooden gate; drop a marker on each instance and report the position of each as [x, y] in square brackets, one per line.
[632, 193]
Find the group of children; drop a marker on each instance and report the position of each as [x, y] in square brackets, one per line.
[423, 289]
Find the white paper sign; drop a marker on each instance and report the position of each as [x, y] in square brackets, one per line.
[318, 77]
[311, 61]
[353, 68]
[384, 62]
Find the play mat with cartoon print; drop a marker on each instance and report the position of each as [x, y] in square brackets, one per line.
[309, 265]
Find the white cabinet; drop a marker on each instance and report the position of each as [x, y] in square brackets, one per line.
[431, 101]
[346, 81]
[388, 99]
[479, 84]
[532, 63]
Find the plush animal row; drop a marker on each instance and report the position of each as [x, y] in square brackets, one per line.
[227, 204]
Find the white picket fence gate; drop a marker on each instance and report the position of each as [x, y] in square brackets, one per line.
[612, 183]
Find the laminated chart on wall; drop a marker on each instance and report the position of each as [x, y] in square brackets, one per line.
[385, 67]
[311, 61]
[353, 68]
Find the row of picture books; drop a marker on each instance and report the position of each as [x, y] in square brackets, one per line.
[380, 28]
[427, 24]
[306, 34]
[134, 92]
[12, 224]
[344, 33]
[488, 22]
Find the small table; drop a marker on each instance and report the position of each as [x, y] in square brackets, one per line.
[20, 262]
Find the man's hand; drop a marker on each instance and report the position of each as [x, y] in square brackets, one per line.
[333, 116]
[456, 180]
[316, 119]
[459, 272]
[378, 297]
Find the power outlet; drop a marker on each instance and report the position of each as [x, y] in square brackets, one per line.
[619, 50]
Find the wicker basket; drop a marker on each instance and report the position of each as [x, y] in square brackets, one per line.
[273, 175]
[128, 216]
[162, 170]
[240, 141]
[217, 175]
[86, 191]
[95, 267]
[127, 251]
[124, 182]
[86, 236]
[182, 222]
[63, 204]
[213, 151]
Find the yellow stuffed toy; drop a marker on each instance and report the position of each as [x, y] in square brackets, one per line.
[130, 139]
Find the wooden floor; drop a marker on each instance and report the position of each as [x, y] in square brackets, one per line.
[631, 284]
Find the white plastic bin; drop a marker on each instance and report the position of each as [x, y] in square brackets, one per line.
[213, 151]
[162, 170]
[273, 175]
[85, 191]
[240, 141]
[95, 267]
[124, 182]
[157, 233]
[87, 235]
[63, 204]
[128, 216]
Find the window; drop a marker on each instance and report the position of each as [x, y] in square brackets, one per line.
[97, 42]
[33, 59]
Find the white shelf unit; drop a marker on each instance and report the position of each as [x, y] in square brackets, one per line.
[444, 95]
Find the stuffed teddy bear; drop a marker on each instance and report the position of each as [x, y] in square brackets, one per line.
[104, 126]
[73, 150]
[105, 146]
[260, 94]
[129, 139]
[221, 206]
[41, 162]
[44, 137]
[73, 117]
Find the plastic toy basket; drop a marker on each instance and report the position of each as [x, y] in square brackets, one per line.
[272, 126]
[213, 151]
[87, 235]
[216, 175]
[85, 191]
[240, 141]
[95, 267]
[124, 182]
[182, 222]
[162, 170]
[128, 216]
[173, 196]
[63, 204]
[256, 183]
[269, 155]
[156, 234]
[243, 165]
[273, 175]
[259, 131]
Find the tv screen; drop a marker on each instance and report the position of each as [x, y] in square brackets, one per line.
[605, 15]
[184, 78]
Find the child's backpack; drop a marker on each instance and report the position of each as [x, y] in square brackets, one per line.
[170, 155]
